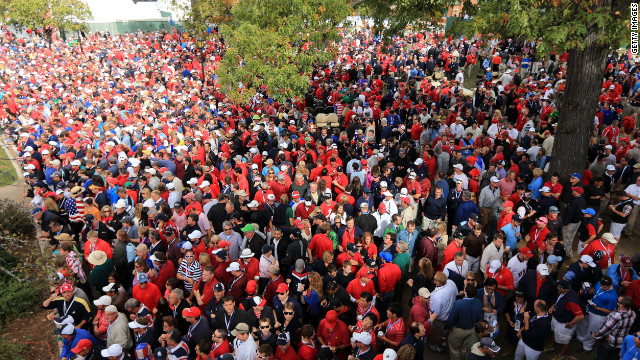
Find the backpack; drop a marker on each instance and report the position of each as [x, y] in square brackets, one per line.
[131, 252]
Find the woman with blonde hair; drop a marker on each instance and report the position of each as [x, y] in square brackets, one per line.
[369, 248]
[106, 214]
[312, 297]
[302, 169]
[50, 204]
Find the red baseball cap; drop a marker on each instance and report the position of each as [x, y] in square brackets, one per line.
[526, 251]
[192, 311]
[331, 317]
[382, 208]
[251, 287]
[83, 344]
[577, 189]
[298, 224]
[66, 287]
[282, 288]
[507, 204]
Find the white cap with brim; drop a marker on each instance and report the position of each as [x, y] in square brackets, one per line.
[542, 269]
[113, 350]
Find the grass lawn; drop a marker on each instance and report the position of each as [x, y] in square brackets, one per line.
[7, 172]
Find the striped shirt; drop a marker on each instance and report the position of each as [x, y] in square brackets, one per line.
[193, 271]
[75, 265]
[616, 327]
[75, 209]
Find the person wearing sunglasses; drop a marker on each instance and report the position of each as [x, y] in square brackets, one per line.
[220, 343]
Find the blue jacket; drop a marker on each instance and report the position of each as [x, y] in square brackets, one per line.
[614, 273]
[629, 349]
[67, 345]
[435, 208]
[465, 210]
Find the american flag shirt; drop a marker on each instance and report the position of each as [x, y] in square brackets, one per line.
[75, 265]
[75, 208]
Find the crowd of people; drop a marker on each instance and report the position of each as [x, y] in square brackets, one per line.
[186, 226]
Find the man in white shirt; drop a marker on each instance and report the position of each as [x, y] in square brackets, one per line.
[442, 299]
[493, 251]
[244, 346]
[383, 219]
[633, 191]
[518, 264]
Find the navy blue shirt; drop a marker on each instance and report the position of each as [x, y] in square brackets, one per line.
[465, 313]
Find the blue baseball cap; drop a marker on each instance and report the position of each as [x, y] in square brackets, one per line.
[589, 211]
[577, 175]
[386, 256]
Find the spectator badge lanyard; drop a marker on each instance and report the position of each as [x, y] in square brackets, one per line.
[331, 336]
[266, 258]
[390, 326]
[194, 326]
[228, 323]
[518, 308]
[559, 297]
[366, 312]
[622, 275]
[489, 300]
[635, 356]
[65, 308]
[538, 318]
[604, 248]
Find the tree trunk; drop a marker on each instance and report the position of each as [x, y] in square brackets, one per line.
[585, 71]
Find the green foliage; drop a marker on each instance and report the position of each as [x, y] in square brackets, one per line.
[15, 220]
[391, 17]
[10, 350]
[274, 43]
[45, 14]
[558, 25]
[18, 297]
[7, 172]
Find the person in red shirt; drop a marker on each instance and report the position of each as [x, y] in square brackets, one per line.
[334, 334]
[305, 209]
[146, 292]
[203, 290]
[452, 249]
[537, 234]
[320, 242]
[503, 276]
[352, 255]
[359, 285]
[307, 349]
[393, 328]
[388, 276]
[605, 246]
[285, 351]
[220, 343]
[165, 270]
[250, 265]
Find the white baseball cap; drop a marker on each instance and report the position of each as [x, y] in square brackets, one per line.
[542, 269]
[113, 350]
[495, 265]
[103, 300]
[587, 260]
[234, 266]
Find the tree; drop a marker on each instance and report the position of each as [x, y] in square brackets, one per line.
[391, 17]
[272, 45]
[45, 16]
[587, 30]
